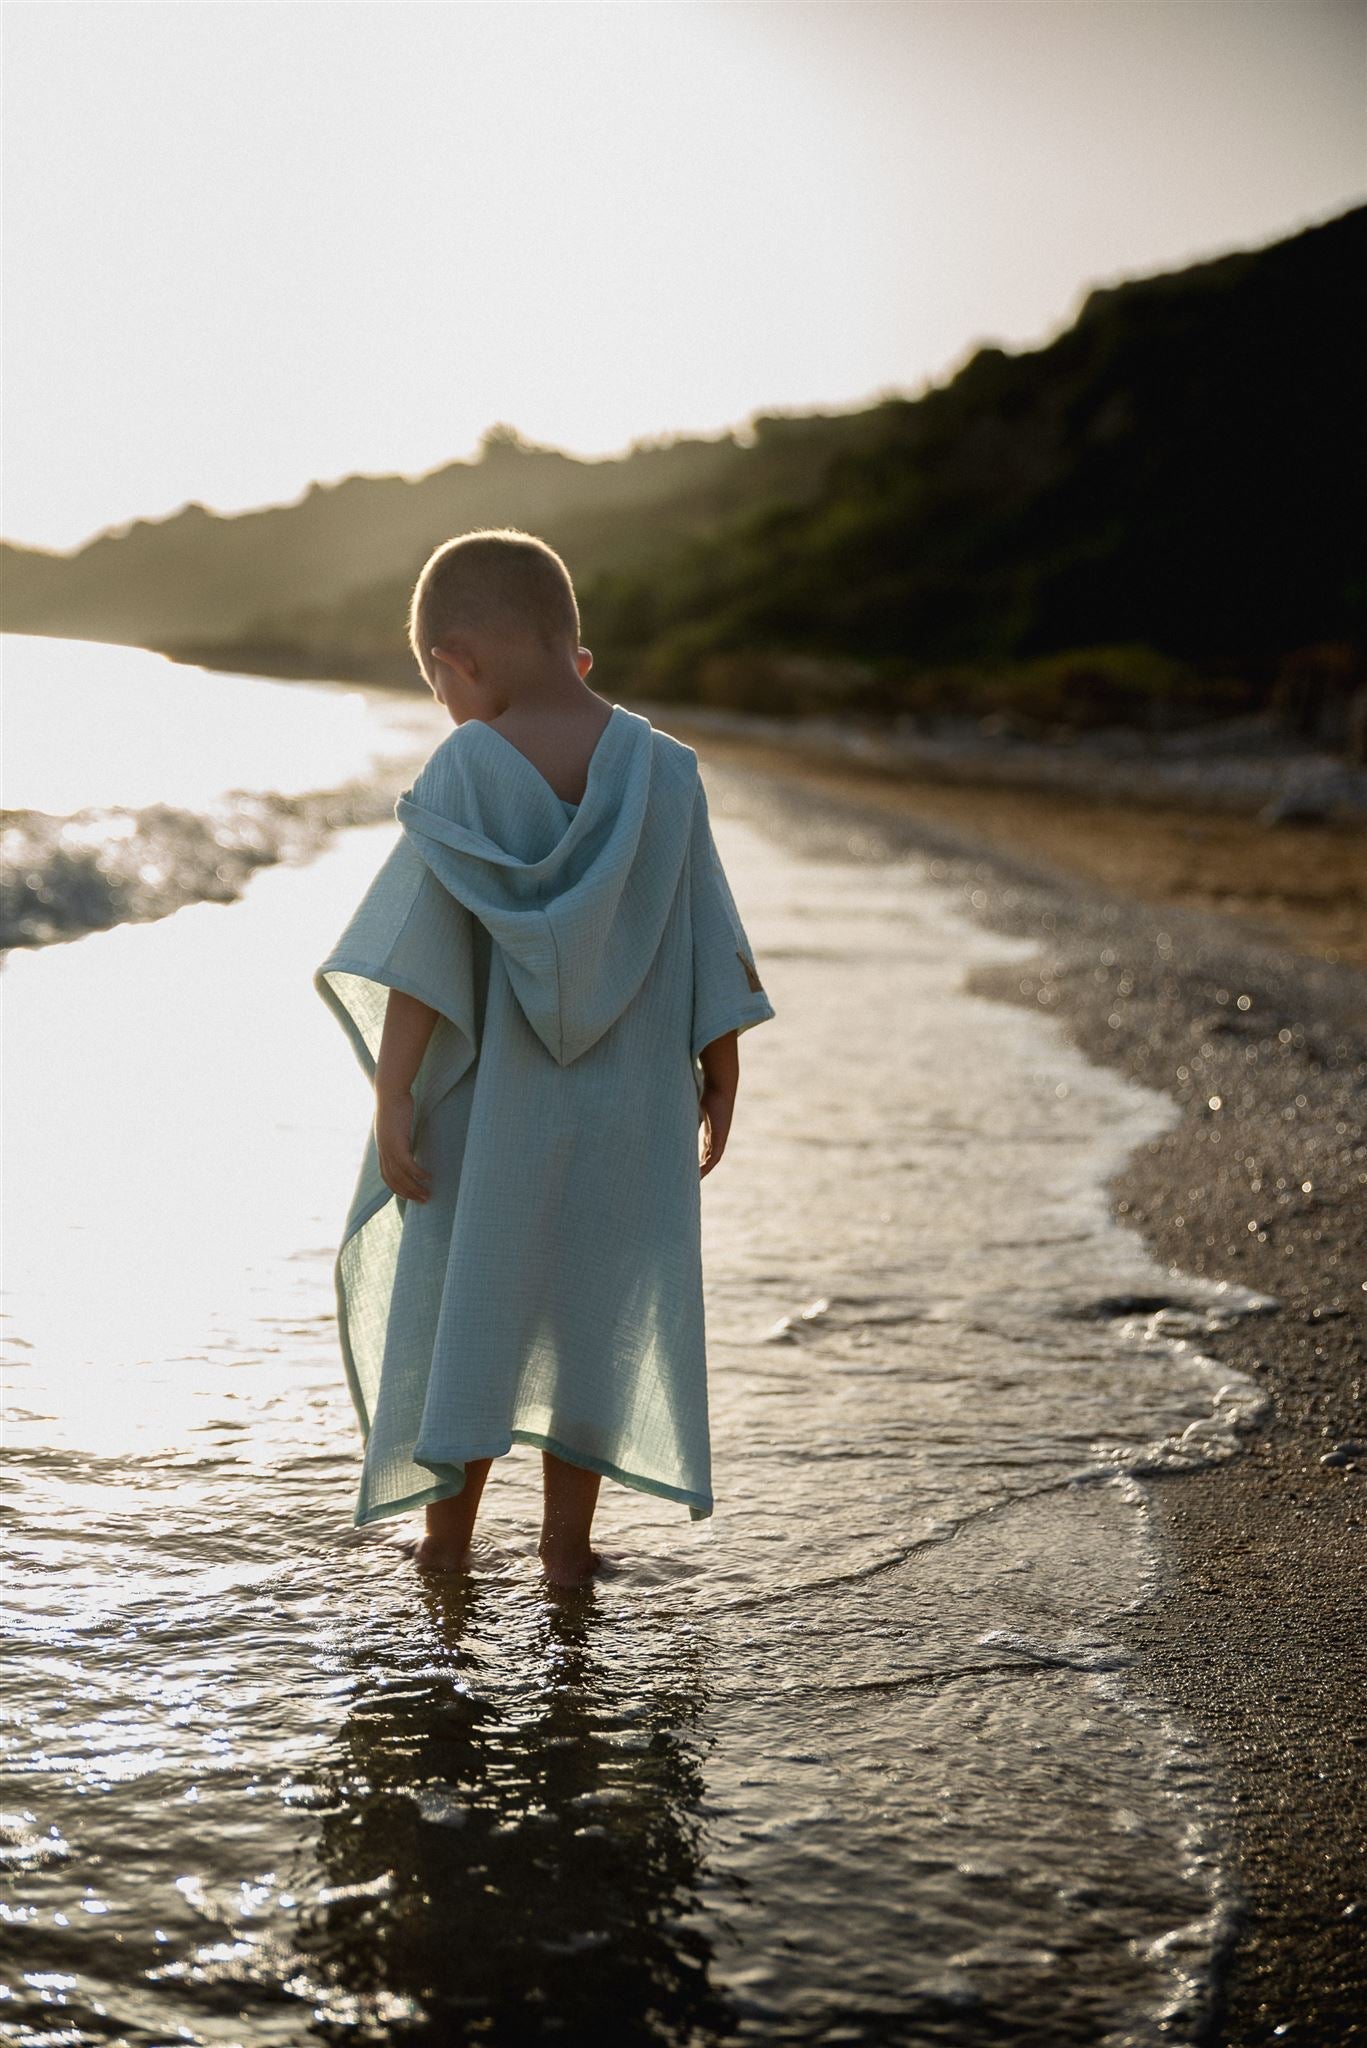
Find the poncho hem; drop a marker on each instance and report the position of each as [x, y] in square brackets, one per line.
[700, 1506]
[739, 1016]
[387, 977]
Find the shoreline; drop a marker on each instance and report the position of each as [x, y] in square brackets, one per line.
[1253, 1638]
[1303, 883]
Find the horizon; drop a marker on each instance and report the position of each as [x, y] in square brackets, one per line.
[1018, 158]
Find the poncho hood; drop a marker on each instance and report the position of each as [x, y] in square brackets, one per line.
[576, 896]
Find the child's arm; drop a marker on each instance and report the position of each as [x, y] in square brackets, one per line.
[721, 1077]
[408, 1025]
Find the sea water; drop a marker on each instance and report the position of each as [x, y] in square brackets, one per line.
[132, 784]
[860, 1759]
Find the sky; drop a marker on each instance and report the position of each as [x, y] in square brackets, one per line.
[253, 243]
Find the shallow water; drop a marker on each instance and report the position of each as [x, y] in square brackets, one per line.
[857, 1760]
[134, 784]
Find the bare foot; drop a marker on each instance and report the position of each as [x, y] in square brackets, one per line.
[429, 1555]
[577, 1571]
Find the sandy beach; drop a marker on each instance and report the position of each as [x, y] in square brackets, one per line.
[1220, 961]
[1191, 835]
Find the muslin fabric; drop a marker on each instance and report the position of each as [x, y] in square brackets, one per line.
[579, 957]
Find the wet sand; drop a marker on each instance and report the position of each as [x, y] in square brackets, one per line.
[1219, 960]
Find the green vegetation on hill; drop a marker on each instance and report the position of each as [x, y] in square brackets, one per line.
[1174, 485]
[1157, 515]
[328, 577]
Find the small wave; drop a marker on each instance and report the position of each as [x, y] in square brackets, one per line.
[65, 876]
[1074, 1651]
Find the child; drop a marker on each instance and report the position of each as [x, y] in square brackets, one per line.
[546, 982]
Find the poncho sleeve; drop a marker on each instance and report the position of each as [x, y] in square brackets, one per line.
[408, 933]
[727, 992]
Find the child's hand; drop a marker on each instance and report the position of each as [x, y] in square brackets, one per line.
[394, 1141]
[715, 1108]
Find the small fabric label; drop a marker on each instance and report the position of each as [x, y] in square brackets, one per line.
[756, 985]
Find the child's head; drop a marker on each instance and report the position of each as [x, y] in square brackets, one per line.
[499, 599]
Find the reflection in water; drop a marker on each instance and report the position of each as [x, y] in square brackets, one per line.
[518, 1859]
[858, 1760]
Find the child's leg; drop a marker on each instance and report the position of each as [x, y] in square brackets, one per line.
[451, 1522]
[571, 1495]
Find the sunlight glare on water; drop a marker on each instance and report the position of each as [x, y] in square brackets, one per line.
[87, 723]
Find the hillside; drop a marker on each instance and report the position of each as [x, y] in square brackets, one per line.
[1180, 472]
[1173, 486]
[326, 579]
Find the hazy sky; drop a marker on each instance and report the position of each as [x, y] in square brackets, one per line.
[248, 243]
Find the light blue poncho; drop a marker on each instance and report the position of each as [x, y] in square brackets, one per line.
[579, 957]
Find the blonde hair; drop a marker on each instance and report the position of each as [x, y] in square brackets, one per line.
[495, 579]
